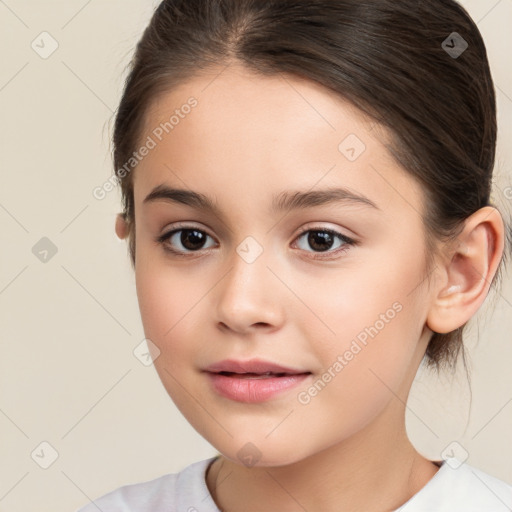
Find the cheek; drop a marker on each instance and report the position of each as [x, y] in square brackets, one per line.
[166, 305]
[360, 378]
[363, 299]
[375, 318]
[167, 313]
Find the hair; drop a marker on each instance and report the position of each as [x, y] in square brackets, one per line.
[386, 57]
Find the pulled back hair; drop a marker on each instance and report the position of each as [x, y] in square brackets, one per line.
[384, 56]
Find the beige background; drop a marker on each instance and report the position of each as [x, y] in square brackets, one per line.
[69, 325]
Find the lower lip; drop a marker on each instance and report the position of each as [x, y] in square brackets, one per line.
[253, 390]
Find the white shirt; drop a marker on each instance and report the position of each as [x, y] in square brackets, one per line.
[464, 489]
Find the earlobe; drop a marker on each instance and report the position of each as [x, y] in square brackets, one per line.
[469, 271]
[121, 227]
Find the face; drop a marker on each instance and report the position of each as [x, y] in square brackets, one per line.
[279, 269]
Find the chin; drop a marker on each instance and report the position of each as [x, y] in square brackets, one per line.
[260, 453]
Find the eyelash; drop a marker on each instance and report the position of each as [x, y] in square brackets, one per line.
[347, 242]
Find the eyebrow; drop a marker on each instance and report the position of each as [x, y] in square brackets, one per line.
[285, 201]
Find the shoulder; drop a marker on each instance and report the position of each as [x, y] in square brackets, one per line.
[483, 491]
[461, 487]
[167, 493]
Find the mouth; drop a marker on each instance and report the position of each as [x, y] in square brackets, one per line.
[253, 367]
[248, 375]
[253, 381]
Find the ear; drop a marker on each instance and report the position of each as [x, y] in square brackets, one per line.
[121, 226]
[468, 271]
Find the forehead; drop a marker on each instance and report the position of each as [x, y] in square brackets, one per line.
[258, 135]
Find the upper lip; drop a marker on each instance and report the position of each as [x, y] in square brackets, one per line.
[257, 366]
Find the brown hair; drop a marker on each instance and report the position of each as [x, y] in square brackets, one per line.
[388, 57]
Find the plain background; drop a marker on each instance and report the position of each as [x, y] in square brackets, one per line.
[69, 325]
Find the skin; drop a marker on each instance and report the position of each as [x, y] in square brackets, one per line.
[249, 138]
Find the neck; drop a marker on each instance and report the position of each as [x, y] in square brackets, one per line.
[376, 470]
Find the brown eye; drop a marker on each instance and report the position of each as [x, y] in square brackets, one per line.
[323, 241]
[184, 240]
[320, 240]
[192, 239]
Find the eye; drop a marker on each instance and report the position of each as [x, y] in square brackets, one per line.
[322, 240]
[187, 239]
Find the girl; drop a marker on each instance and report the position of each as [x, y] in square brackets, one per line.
[306, 191]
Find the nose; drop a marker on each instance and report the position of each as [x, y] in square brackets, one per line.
[249, 297]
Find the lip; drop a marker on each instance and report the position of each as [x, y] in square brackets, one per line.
[245, 381]
[251, 366]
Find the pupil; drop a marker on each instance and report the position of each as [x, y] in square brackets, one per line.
[192, 239]
[321, 237]
[318, 240]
